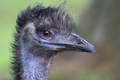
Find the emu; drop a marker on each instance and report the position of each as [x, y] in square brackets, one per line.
[41, 33]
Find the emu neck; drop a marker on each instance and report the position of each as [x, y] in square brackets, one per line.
[34, 67]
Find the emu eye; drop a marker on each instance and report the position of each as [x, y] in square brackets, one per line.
[45, 34]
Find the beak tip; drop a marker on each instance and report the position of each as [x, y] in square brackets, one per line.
[92, 50]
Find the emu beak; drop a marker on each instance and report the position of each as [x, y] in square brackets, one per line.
[80, 44]
[73, 42]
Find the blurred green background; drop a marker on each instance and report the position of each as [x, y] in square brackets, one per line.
[98, 21]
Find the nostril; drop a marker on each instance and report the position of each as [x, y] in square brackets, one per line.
[80, 43]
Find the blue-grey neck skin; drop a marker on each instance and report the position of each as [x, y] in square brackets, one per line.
[34, 67]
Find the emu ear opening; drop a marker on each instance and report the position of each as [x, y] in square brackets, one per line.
[30, 26]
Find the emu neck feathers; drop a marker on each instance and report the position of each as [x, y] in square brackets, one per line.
[34, 68]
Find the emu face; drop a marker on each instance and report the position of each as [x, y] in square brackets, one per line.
[50, 29]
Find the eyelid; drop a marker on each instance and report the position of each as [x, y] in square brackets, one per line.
[43, 37]
[52, 32]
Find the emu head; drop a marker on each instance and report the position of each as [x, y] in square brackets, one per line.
[49, 30]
